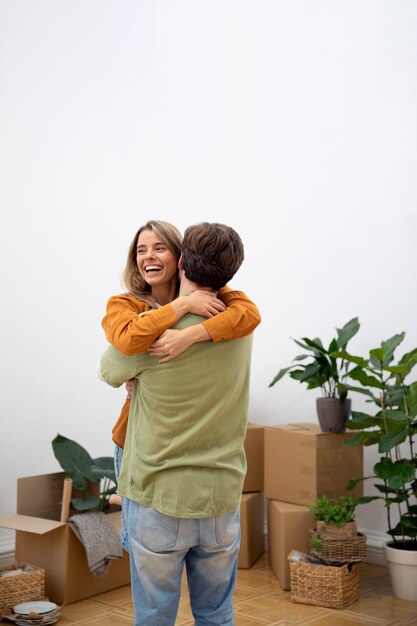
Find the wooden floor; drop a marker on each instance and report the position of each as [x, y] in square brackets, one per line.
[259, 600]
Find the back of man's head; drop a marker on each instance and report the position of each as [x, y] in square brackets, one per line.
[211, 254]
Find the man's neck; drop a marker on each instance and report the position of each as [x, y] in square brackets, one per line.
[187, 286]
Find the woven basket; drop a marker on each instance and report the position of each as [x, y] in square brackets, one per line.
[340, 550]
[21, 587]
[324, 585]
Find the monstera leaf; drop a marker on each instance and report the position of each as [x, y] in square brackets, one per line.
[75, 461]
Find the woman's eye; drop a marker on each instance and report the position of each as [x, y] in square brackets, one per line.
[160, 248]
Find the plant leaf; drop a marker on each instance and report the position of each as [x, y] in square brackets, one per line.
[74, 460]
[389, 346]
[391, 439]
[365, 379]
[280, 374]
[349, 330]
[91, 502]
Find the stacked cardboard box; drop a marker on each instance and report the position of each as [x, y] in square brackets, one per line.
[301, 464]
[252, 504]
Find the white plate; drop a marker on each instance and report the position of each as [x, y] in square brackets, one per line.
[26, 622]
[35, 607]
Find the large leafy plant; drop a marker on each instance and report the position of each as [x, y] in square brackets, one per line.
[325, 368]
[392, 426]
[83, 469]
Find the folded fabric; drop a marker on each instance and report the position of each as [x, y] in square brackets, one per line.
[100, 540]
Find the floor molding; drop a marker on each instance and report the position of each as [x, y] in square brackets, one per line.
[375, 546]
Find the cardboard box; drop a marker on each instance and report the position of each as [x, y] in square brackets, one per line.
[302, 463]
[254, 450]
[251, 529]
[41, 539]
[288, 529]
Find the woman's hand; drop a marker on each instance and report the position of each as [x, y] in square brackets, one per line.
[201, 302]
[129, 388]
[173, 342]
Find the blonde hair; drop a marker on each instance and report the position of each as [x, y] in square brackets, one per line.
[131, 279]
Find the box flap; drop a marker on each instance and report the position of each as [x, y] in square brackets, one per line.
[29, 524]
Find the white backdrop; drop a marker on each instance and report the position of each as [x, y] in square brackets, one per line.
[293, 121]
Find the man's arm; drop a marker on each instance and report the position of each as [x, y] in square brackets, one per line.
[116, 368]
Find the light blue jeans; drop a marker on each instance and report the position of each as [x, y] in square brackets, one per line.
[160, 545]
[118, 455]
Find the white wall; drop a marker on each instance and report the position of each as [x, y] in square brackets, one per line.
[293, 121]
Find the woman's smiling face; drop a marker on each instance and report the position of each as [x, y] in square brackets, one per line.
[157, 265]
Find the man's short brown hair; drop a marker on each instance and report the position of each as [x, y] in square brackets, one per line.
[211, 254]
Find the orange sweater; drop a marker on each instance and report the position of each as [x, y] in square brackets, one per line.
[132, 334]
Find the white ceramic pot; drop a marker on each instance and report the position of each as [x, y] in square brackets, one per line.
[403, 571]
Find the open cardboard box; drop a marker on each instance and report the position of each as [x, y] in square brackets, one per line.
[43, 540]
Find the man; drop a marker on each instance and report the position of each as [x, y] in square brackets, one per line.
[184, 463]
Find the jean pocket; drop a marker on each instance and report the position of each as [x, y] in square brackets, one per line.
[156, 532]
[227, 527]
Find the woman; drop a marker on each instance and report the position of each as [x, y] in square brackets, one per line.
[141, 319]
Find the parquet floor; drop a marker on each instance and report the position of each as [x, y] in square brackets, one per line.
[260, 601]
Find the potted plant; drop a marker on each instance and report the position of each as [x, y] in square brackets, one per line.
[332, 514]
[326, 370]
[83, 469]
[335, 538]
[392, 426]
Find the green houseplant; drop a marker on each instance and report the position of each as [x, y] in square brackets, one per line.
[334, 511]
[392, 427]
[83, 469]
[321, 367]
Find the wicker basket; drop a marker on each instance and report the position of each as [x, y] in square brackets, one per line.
[21, 587]
[324, 585]
[340, 551]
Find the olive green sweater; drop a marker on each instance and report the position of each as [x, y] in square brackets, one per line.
[184, 453]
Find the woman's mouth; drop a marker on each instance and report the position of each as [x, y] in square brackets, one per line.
[152, 269]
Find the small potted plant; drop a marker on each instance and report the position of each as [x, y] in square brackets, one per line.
[325, 369]
[392, 427]
[335, 517]
[335, 538]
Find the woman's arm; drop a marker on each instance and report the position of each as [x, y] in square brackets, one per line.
[239, 319]
[132, 325]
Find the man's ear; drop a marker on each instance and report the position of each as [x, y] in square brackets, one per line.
[180, 267]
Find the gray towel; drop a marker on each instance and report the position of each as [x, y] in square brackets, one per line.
[101, 541]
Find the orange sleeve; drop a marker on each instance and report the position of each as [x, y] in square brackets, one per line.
[120, 427]
[129, 331]
[239, 319]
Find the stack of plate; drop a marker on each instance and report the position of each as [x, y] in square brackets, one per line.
[39, 613]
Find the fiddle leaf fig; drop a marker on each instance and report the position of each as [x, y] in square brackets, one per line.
[393, 430]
